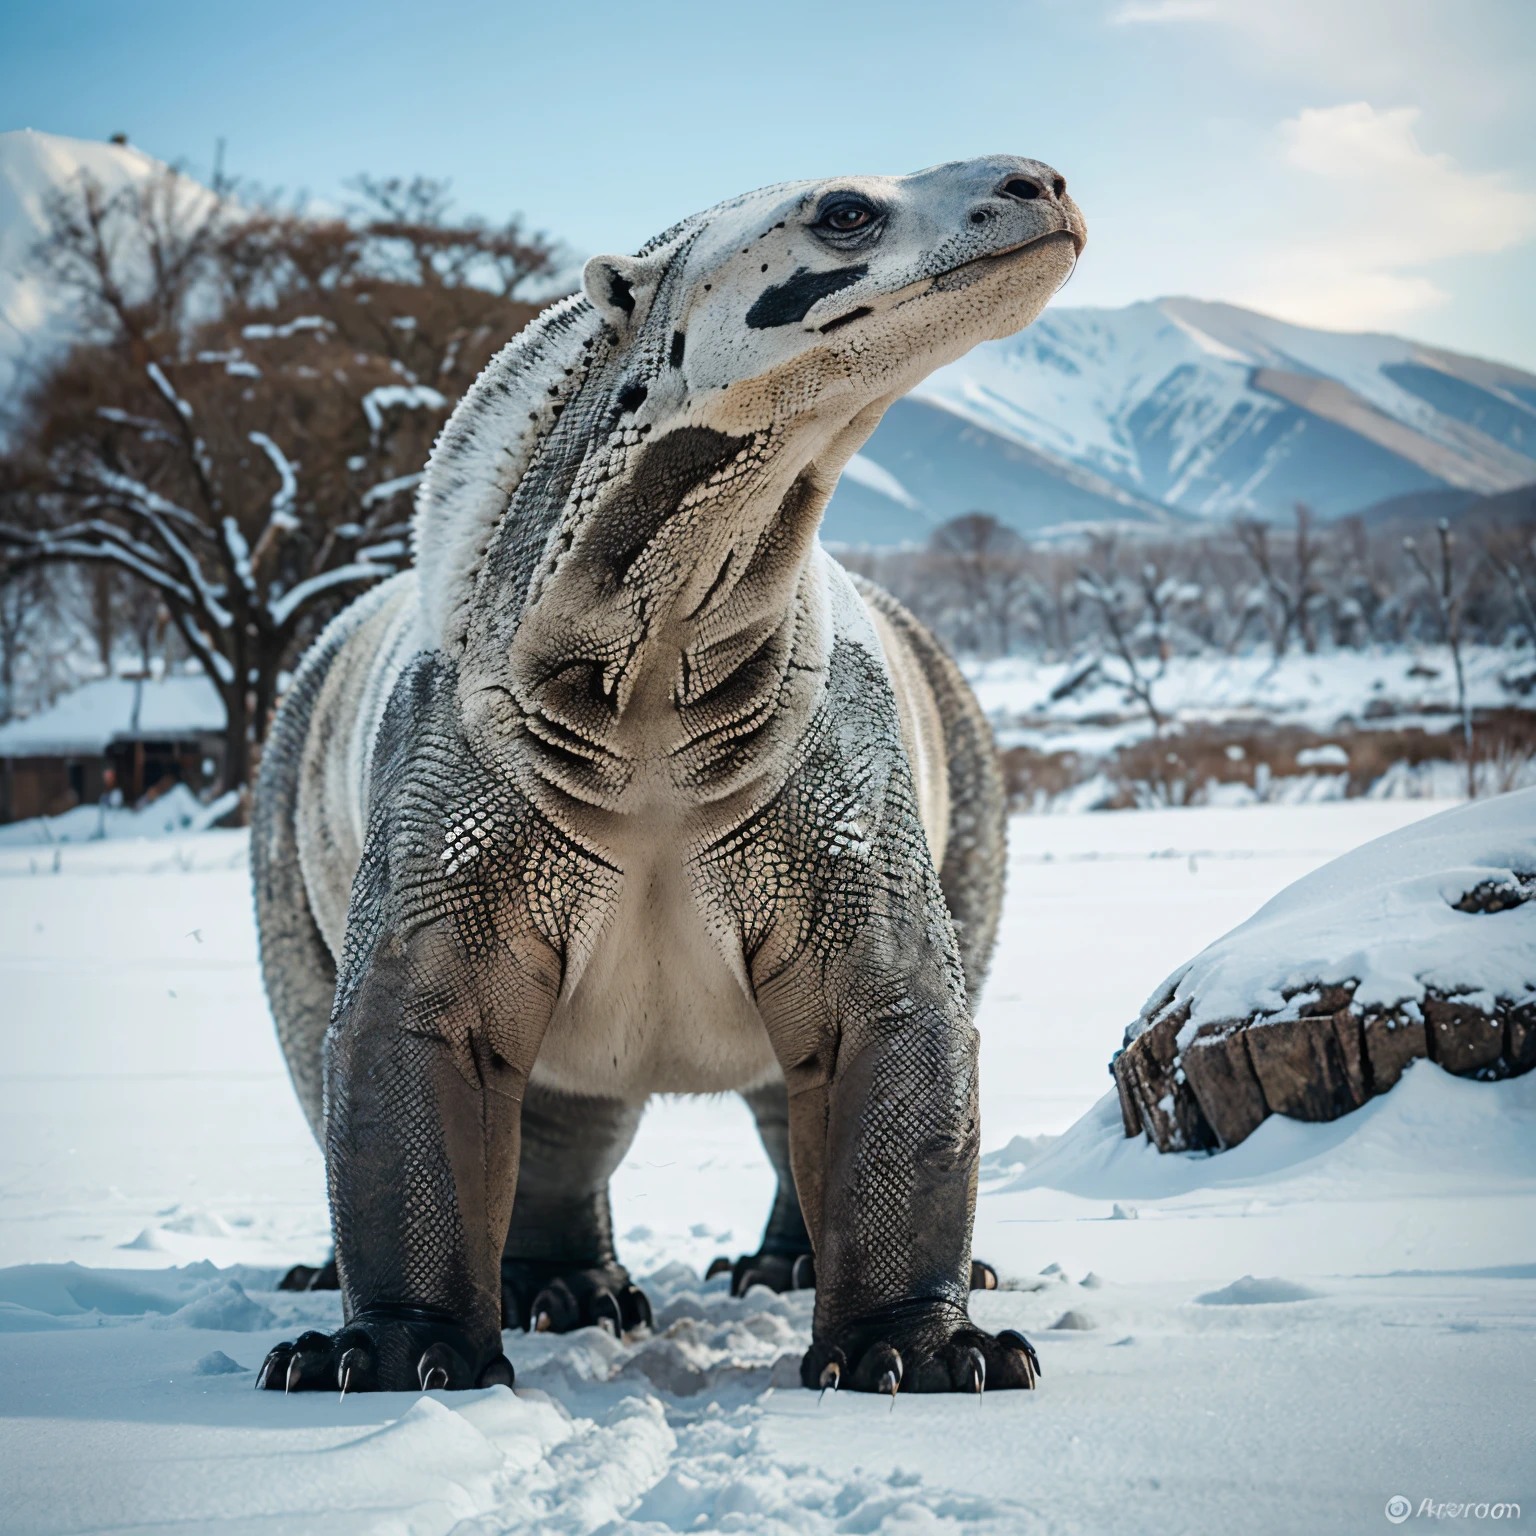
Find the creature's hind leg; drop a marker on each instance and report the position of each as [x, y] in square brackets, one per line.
[559, 1270]
[783, 1261]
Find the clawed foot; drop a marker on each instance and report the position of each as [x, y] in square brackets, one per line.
[399, 1351]
[549, 1297]
[778, 1271]
[797, 1272]
[935, 1350]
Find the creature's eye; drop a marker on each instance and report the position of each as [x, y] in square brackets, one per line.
[845, 215]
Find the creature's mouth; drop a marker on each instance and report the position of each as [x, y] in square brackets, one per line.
[962, 276]
[968, 271]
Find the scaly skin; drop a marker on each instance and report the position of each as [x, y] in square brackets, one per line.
[639, 816]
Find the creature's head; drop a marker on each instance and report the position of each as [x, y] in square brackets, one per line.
[832, 296]
[787, 320]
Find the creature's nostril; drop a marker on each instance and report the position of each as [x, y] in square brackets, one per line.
[1059, 186]
[1021, 187]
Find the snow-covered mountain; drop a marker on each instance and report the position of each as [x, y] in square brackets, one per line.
[34, 317]
[1176, 410]
[1163, 413]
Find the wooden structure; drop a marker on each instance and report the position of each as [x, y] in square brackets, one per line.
[138, 735]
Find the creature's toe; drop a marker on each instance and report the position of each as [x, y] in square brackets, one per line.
[778, 1271]
[931, 1350]
[544, 1297]
[385, 1354]
[797, 1272]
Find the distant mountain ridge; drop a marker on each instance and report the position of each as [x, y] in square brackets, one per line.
[1176, 410]
[34, 317]
[1163, 414]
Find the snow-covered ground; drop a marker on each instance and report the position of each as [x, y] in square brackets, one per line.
[1384, 1344]
[1392, 684]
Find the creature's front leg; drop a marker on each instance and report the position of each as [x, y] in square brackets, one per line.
[456, 939]
[422, 1130]
[895, 1133]
[858, 979]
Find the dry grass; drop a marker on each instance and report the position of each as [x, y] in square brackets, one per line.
[1176, 768]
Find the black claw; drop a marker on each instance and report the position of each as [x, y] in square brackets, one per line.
[978, 1373]
[607, 1310]
[354, 1362]
[267, 1367]
[295, 1374]
[802, 1277]
[432, 1368]
[542, 1323]
[1016, 1340]
[720, 1266]
[831, 1375]
[745, 1281]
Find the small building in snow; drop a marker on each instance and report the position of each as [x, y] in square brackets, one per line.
[136, 734]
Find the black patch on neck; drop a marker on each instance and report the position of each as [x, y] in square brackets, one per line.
[664, 473]
[678, 341]
[789, 302]
[632, 397]
[620, 294]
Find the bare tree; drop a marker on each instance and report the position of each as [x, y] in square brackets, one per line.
[1448, 592]
[408, 220]
[986, 561]
[1511, 551]
[26, 606]
[1292, 592]
[254, 469]
[1115, 600]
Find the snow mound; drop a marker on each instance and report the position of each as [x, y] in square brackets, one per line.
[225, 1307]
[175, 813]
[1384, 916]
[1433, 1134]
[1249, 1292]
[217, 1363]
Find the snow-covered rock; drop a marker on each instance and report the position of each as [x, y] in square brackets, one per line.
[1422, 943]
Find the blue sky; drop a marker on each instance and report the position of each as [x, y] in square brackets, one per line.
[1358, 164]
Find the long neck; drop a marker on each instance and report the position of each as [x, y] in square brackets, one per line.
[669, 638]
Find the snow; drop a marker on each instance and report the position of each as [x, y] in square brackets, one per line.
[89, 718]
[173, 814]
[388, 397]
[1287, 1335]
[36, 316]
[1391, 683]
[1383, 916]
[874, 477]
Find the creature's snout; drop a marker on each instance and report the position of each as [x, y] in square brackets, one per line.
[1031, 181]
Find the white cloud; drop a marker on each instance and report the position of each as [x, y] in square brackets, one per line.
[1474, 54]
[1371, 206]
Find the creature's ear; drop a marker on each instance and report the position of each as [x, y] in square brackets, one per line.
[622, 288]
